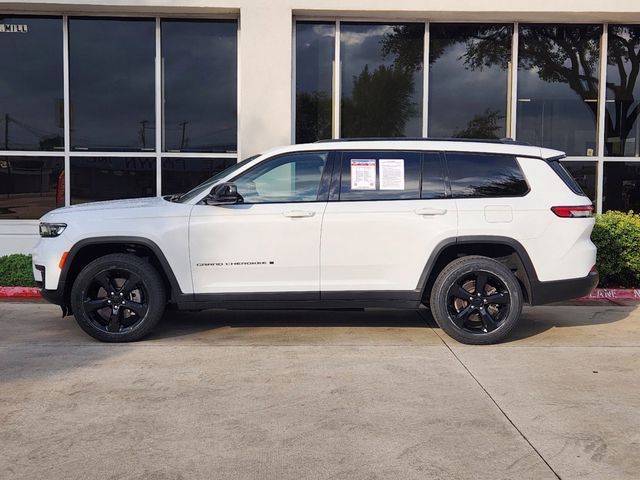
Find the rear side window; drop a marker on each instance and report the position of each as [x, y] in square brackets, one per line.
[433, 185]
[380, 176]
[477, 175]
[566, 177]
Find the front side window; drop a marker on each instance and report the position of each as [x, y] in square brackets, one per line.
[558, 68]
[381, 84]
[477, 175]
[468, 79]
[286, 179]
[392, 175]
[112, 84]
[31, 92]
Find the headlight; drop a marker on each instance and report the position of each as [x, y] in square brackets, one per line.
[52, 229]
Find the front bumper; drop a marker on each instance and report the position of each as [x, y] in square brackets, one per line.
[556, 291]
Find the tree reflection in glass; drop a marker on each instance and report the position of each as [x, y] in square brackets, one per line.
[622, 119]
[558, 68]
[468, 79]
[381, 79]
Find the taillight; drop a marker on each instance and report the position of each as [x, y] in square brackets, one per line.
[581, 211]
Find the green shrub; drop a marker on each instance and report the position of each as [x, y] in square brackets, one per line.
[617, 236]
[15, 271]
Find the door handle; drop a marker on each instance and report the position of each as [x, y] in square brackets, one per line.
[298, 214]
[430, 211]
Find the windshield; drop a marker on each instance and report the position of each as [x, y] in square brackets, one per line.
[207, 184]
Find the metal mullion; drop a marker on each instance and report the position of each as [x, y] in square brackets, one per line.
[294, 52]
[425, 82]
[158, 107]
[602, 97]
[92, 153]
[32, 153]
[200, 154]
[336, 82]
[66, 110]
[513, 79]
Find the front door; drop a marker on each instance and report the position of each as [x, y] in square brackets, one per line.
[271, 241]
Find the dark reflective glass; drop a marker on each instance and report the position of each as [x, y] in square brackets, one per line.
[179, 175]
[112, 83]
[621, 186]
[469, 68]
[622, 119]
[31, 91]
[315, 45]
[200, 85]
[369, 163]
[112, 178]
[433, 185]
[474, 175]
[30, 186]
[585, 174]
[381, 84]
[558, 68]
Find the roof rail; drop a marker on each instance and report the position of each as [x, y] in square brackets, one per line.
[509, 141]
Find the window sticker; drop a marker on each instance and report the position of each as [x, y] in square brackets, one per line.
[363, 174]
[391, 174]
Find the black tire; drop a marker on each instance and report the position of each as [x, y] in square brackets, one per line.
[476, 317]
[118, 298]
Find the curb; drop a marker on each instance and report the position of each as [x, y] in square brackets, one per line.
[19, 292]
[597, 294]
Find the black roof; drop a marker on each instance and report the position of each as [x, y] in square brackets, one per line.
[504, 141]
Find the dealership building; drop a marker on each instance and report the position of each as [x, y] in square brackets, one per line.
[115, 99]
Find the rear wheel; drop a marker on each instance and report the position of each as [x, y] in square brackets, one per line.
[118, 298]
[476, 300]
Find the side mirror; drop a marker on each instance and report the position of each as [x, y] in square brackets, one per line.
[223, 194]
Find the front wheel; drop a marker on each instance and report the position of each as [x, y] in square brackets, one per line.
[118, 298]
[476, 300]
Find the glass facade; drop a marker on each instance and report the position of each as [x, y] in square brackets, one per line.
[142, 93]
[469, 67]
[621, 186]
[381, 79]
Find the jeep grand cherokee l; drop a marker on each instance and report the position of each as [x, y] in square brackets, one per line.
[471, 229]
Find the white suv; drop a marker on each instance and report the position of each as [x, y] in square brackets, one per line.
[471, 229]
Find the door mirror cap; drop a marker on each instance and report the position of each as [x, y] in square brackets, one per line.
[223, 194]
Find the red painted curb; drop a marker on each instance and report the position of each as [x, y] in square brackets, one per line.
[19, 292]
[614, 294]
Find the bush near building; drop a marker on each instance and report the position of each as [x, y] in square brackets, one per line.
[15, 271]
[616, 234]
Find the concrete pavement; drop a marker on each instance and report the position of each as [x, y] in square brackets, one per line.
[291, 395]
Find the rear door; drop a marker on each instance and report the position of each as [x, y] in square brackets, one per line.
[387, 212]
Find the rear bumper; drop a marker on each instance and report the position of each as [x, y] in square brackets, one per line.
[556, 291]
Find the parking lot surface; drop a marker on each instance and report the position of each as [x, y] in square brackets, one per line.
[321, 395]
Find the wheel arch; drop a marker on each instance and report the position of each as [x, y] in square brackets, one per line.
[88, 249]
[504, 249]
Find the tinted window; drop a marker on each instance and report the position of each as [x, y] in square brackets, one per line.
[180, 175]
[622, 119]
[558, 68]
[433, 185]
[30, 186]
[315, 42]
[468, 78]
[112, 84]
[621, 186]
[381, 80]
[485, 175]
[291, 178]
[200, 85]
[584, 174]
[380, 176]
[31, 95]
[107, 178]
